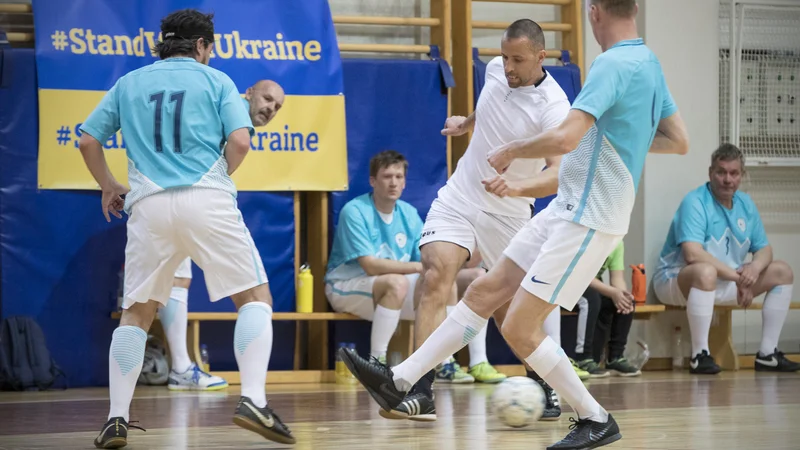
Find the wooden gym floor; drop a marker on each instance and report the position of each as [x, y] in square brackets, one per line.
[661, 410]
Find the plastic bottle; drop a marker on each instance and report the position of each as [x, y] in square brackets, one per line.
[677, 350]
[639, 354]
[351, 379]
[340, 369]
[120, 287]
[204, 358]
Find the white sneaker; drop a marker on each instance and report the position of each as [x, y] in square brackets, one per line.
[195, 379]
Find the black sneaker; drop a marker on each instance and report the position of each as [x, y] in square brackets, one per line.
[418, 404]
[622, 368]
[263, 421]
[594, 369]
[114, 433]
[552, 408]
[776, 362]
[376, 377]
[588, 434]
[704, 364]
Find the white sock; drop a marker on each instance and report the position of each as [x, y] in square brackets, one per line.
[449, 310]
[700, 310]
[384, 323]
[252, 344]
[457, 330]
[773, 314]
[124, 366]
[552, 325]
[173, 318]
[552, 364]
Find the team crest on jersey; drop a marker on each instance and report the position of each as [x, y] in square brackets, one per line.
[742, 224]
[400, 239]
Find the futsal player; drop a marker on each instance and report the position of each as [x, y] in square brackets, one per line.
[519, 99]
[624, 110]
[263, 100]
[182, 203]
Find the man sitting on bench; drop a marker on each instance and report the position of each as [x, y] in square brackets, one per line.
[375, 260]
[703, 263]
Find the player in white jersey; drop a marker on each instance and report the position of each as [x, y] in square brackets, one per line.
[174, 114]
[519, 99]
[262, 100]
[623, 111]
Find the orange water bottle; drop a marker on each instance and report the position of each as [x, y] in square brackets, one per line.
[639, 284]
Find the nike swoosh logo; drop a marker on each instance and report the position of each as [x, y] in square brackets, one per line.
[772, 362]
[694, 364]
[267, 421]
[533, 279]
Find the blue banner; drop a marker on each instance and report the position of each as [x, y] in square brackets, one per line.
[84, 46]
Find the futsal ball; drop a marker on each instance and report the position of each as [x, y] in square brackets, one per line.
[518, 402]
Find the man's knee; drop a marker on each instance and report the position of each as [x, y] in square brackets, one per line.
[516, 329]
[702, 276]
[435, 278]
[781, 273]
[139, 315]
[393, 290]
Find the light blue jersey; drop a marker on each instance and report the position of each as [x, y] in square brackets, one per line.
[727, 234]
[626, 93]
[175, 116]
[362, 232]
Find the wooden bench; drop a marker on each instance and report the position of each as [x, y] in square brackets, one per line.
[402, 342]
[720, 337]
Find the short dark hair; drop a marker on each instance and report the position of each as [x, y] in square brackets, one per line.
[727, 152]
[528, 29]
[385, 159]
[180, 31]
[618, 8]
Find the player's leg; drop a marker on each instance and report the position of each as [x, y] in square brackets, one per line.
[450, 371]
[479, 367]
[601, 331]
[150, 262]
[184, 374]
[697, 284]
[217, 239]
[620, 325]
[776, 281]
[389, 292]
[569, 259]
[589, 310]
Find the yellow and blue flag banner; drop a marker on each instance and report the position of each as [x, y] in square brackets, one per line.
[84, 46]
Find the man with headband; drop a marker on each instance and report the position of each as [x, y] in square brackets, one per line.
[182, 203]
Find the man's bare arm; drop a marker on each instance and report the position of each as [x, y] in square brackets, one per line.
[378, 266]
[693, 252]
[671, 136]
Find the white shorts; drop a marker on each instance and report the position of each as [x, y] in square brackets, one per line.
[453, 219]
[668, 292]
[561, 257]
[185, 269]
[203, 224]
[354, 296]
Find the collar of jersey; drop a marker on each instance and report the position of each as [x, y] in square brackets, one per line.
[637, 41]
[176, 59]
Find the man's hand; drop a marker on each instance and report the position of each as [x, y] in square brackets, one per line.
[112, 200]
[501, 158]
[623, 300]
[744, 296]
[455, 126]
[501, 188]
[748, 274]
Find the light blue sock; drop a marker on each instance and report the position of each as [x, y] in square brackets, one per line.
[252, 344]
[124, 365]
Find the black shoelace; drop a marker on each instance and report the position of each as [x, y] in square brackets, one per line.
[575, 424]
[131, 425]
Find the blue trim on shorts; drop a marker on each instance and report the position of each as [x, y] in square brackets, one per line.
[572, 265]
[343, 293]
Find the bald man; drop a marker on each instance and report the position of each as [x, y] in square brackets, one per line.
[262, 100]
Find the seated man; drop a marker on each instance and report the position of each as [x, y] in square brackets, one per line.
[703, 263]
[603, 307]
[375, 260]
[262, 101]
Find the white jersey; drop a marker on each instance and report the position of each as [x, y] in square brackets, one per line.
[505, 114]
